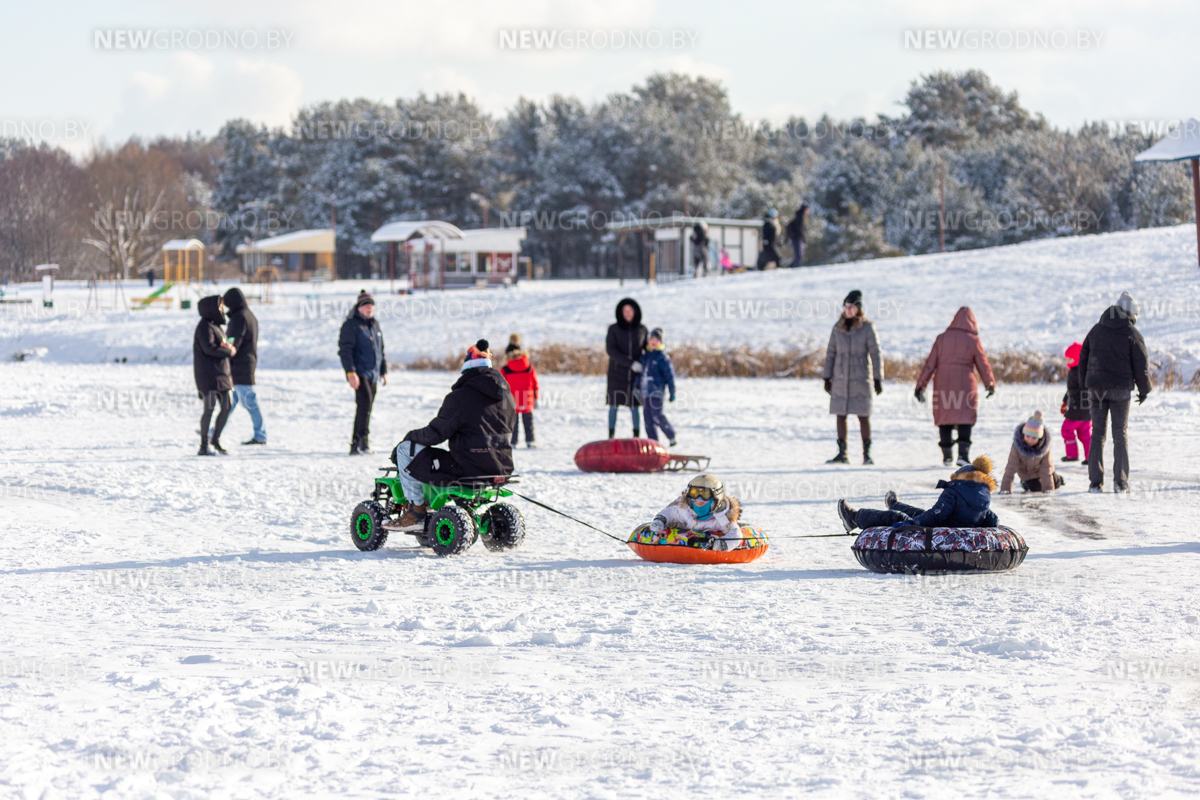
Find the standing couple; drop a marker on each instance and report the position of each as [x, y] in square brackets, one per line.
[223, 364]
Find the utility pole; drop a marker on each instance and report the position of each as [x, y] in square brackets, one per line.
[942, 214]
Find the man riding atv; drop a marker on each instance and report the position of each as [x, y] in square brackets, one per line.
[477, 417]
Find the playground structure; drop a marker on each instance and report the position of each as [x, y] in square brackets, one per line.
[105, 287]
[265, 278]
[183, 271]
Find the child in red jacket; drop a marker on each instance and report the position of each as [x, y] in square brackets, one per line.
[523, 383]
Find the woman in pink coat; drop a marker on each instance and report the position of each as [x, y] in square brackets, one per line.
[956, 356]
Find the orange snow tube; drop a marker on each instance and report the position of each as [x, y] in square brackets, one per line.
[692, 547]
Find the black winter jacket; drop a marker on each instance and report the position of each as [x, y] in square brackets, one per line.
[1078, 408]
[243, 329]
[360, 347]
[477, 418]
[625, 344]
[1113, 356]
[210, 361]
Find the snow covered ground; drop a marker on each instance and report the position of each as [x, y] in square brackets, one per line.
[192, 628]
[1034, 296]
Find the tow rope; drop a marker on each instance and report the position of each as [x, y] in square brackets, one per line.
[568, 516]
[625, 541]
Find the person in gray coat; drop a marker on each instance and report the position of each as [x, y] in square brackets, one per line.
[848, 377]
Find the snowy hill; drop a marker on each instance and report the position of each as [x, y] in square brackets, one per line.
[1034, 296]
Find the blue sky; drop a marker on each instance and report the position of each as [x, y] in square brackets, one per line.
[1100, 61]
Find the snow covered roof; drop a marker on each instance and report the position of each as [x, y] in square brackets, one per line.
[426, 228]
[183, 244]
[678, 221]
[1181, 143]
[481, 240]
[313, 240]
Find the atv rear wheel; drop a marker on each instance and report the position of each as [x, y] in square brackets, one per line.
[451, 530]
[366, 525]
[505, 527]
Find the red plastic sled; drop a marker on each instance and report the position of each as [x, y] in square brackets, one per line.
[635, 455]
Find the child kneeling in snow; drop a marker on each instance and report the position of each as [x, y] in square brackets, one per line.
[965, 502]
[704, 508]
[1030, 459]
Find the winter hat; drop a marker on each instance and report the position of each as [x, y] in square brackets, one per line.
[1072, 354]
[1128, 304]
[854, 297]
[1034, 427]
[478, 355]
[364, 299]
[656, 334]
[514, 344]
[772, 213]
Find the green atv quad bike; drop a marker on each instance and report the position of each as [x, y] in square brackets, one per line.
[453, 521]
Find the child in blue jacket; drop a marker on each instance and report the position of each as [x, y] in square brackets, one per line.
[657, 378]
[965, 502]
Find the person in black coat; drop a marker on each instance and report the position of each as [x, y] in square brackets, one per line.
[242, 332]
[1112, 361]
[625, 344]
[699, 239]
[795, 232]
[477, 418]
[210, 366]
[770, 239]
[360, 348]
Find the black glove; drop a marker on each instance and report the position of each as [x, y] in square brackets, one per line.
[829, 386]
[991, 391]
[878, 387]
[919, 394]
[1141, 397]
[672, 400]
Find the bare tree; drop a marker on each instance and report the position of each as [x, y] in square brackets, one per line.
[128, 236]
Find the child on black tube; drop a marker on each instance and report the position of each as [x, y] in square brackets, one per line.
[965, 502]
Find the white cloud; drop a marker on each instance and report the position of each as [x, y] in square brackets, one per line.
[193, 91]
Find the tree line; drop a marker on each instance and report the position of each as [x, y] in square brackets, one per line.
[962, 165]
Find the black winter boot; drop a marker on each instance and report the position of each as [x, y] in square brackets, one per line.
[840, 458]
[612, 433]
[964, 452]
[890, 499]
[947, 456]
[637, 433]
[847, 515]
[215, 444]
[867, 452]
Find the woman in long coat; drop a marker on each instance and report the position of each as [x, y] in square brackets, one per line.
[851, 359]
[956, 356]
[625, 343]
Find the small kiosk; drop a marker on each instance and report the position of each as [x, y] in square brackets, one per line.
[439, 255]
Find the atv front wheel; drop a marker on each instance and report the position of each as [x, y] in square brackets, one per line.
[451, 530]
[366, 525]
[505, 527]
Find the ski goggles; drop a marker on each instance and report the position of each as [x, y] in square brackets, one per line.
[699, 493]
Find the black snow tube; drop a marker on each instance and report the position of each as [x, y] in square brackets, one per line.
[917, 551]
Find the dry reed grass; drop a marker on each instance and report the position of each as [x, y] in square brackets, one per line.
[699, 361]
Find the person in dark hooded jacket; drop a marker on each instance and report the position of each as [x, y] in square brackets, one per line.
[210, 366]
[360, 348]
[1112, 361]
[626, 344]
[965, 502]
[477, 418]
[242, 333]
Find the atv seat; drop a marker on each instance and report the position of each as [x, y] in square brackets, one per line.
[478, 481]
